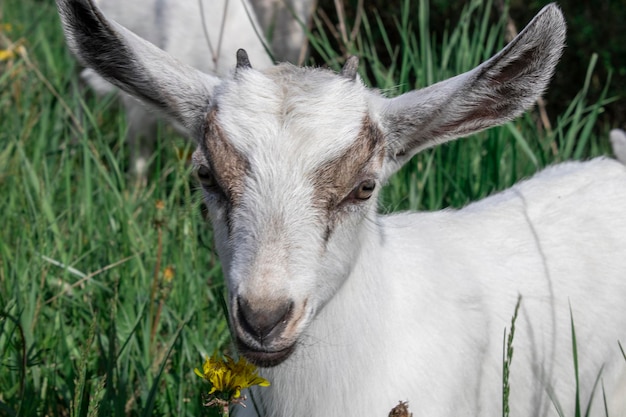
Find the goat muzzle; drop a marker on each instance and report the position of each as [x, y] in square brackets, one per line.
[260, 330]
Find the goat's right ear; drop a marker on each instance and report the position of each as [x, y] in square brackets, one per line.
[136, 66]
[496, 91]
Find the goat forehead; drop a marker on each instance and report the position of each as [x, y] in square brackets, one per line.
[299, 116]
[279, 191]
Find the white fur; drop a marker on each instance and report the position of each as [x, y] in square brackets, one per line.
[409, 306]
[421, 315]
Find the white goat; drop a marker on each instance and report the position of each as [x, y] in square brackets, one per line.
[202, 34]
[351, 311]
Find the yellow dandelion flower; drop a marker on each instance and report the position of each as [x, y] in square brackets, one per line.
[228, 377]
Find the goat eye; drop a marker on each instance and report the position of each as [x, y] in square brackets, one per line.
[206, 178]
[364, 190]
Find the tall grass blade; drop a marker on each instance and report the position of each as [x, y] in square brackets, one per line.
[577, 410]
[149, 407]
[508, 361]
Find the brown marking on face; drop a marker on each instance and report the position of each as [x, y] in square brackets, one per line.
[335, 179]
[227, 164]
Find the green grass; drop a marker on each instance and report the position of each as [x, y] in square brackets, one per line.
[79, 248]
[89, 324]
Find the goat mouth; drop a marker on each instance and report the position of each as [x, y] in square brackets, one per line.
[264, 358]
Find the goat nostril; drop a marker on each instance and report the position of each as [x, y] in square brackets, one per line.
[261, 322]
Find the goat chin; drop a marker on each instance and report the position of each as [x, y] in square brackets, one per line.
[353, 310]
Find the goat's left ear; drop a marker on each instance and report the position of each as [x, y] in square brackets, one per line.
[136, 66]
[493, 93]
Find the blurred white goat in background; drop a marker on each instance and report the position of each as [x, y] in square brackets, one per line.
[618, 143]
[203, 34]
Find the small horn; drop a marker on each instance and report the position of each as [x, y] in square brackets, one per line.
[350, 68]
[242, 59]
